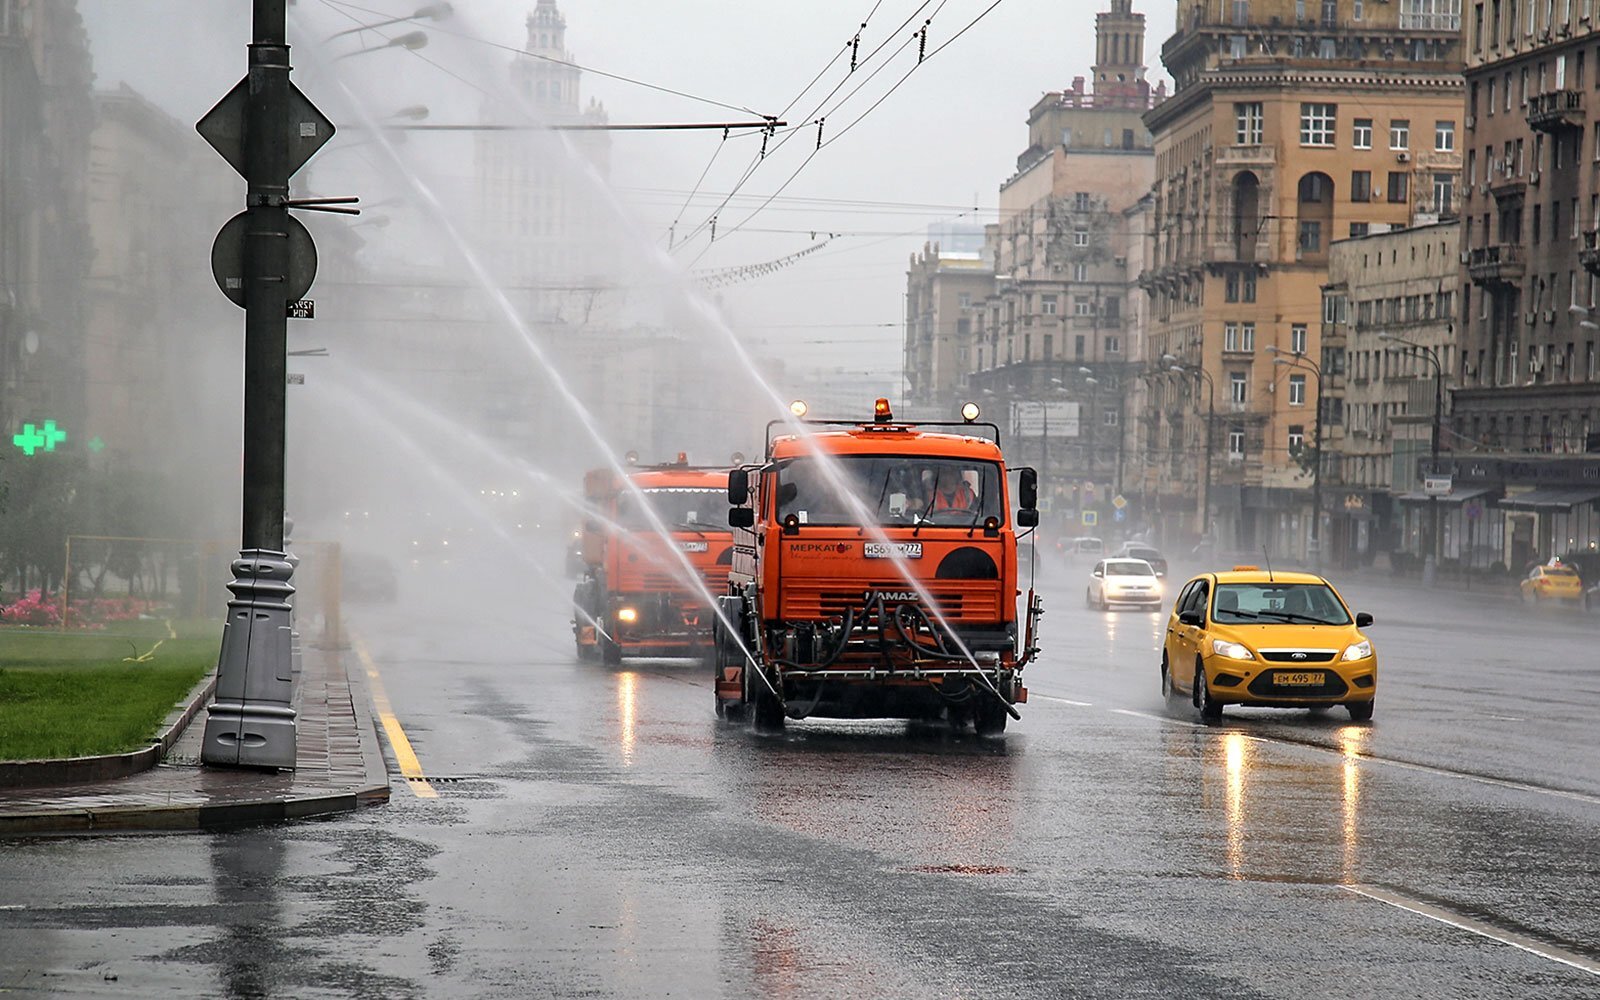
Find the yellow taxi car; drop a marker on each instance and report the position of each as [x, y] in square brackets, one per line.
[1253, 637]
[1552, 582]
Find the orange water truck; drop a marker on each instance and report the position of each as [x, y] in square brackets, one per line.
[646, 541]
[875, 574]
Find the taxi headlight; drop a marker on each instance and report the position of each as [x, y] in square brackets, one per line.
[1232, 650]
[1358, 650]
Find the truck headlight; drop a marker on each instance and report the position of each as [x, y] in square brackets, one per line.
[1358, 650]
[1232, 650]
[627, 615]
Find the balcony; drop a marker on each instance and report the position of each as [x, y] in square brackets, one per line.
[1589, 256]
[1500, 264]
[1557, 111]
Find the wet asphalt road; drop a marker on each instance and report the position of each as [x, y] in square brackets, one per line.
[597, 833]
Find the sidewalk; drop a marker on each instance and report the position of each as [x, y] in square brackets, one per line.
[339, 767]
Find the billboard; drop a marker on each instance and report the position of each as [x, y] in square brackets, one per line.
[1035, 418]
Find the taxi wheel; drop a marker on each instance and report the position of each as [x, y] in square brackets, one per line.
[1361, 711]
[1169, 693]
[1210, 709]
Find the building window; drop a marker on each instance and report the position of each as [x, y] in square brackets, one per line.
[1297, 390]
[1230, 337]
[1109, 418]
[1082, 306]
[1247, 337]
[1047, 304]
[1297, 338]
[1317, 122]
[1358, 228]
[1236, 442]
[1310, 237]
[965, 300]
[1297, 439]
[1080, 272]
[1080, 201]
[1113, 345]
[1444, 137]
[1363, 133]
[1247, 122]
[1400, 134]
[1080, 237]
[1360, 185]
[1241, 12]
[1444, 192]
[1238, 387]
[1399, 186]
[1230, 287]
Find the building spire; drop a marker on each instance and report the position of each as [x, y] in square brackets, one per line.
[1119, 57]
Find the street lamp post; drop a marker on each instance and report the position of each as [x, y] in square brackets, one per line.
[1303, 362]
[1199, 373]
[1094, 399]
[1430, 563]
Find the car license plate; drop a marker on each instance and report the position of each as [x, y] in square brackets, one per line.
[1316, 679]
[879, 550]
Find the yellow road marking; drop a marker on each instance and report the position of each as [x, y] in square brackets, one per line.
[410, 767]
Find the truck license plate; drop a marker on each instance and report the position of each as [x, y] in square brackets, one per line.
[905, 550]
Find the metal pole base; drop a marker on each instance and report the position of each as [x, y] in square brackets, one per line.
[1430, 571]
[252, 722]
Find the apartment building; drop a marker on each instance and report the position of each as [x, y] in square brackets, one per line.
[1292, 124]
[1527, 413]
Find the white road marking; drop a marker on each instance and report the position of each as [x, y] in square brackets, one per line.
[1478, 927]
[1064, 701]
[1150, 715]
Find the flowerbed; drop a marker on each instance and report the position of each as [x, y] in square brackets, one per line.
[36, 608]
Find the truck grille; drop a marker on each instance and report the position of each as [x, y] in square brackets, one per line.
[974, 601]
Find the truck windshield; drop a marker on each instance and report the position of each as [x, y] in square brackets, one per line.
[1305, 603]
[896, 489]
[684, 508]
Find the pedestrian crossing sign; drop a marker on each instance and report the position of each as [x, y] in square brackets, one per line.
[1090, 518]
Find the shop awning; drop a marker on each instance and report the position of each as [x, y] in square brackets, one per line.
[1461, 495]
[1552, 498]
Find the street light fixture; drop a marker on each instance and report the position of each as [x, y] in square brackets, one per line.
[412, 40]
[1430, 563]
[1297, 360]
[431, 12]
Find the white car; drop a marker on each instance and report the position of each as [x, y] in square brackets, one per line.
[1123, 581]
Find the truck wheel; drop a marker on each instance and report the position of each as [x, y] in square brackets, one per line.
[989, 718]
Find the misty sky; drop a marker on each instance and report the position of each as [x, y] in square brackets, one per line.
[934, 149]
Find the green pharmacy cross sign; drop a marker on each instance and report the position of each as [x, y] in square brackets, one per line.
[39, 439]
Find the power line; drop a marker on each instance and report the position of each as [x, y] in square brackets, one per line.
[559, 62]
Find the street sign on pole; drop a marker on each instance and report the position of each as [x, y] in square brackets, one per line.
[1119, 501]
[1437, 486]
[223, 128]
[1090, 518]
[228, 265]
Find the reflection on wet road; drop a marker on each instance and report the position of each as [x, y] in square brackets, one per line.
[606, 836]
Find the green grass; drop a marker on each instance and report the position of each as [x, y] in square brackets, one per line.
[75, 695]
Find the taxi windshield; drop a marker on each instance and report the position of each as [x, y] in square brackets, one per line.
[686, 508]
[1264, 603]
[896, 490]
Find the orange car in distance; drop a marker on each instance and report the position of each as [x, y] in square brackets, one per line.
[656, 549]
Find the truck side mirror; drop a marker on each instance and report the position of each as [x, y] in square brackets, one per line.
[738, 487]
[1027, 518]
[741, 517]
[1028, 490]
[591, 525]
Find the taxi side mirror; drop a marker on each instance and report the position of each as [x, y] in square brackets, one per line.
[738, 487]
[1363, 619]
[1194, 618]
[1027, 518]
[741, 517]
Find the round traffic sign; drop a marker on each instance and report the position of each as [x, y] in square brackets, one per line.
[227, 259]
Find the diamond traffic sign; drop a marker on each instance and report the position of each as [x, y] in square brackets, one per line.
[1119, 501]
[223, 127]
